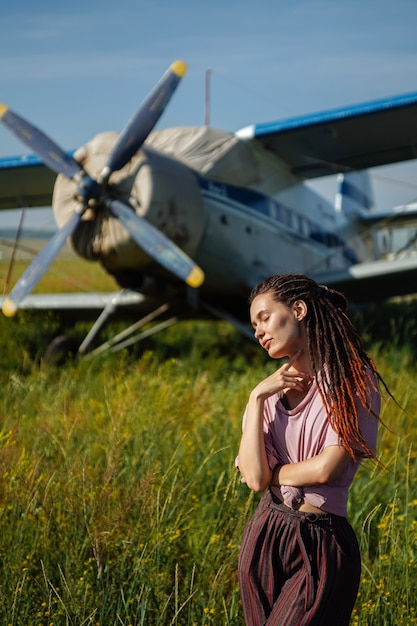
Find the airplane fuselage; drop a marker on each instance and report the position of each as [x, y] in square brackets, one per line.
[237, 235]
[250, 236]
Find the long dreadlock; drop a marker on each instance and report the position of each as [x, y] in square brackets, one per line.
[344, 371]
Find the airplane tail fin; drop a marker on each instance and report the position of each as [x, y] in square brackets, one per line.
[354, 196]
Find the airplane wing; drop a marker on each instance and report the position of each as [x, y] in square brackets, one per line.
[350, 138]
[103, 307]
[80, 305]
[375, 280]
[399, 216]
[25, 182]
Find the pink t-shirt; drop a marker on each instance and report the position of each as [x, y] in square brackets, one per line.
[303, 432]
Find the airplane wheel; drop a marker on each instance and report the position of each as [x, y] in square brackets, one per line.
[60, 350]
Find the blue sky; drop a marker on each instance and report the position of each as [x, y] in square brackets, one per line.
[77, 68]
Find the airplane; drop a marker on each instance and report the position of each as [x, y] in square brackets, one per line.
[188, 220]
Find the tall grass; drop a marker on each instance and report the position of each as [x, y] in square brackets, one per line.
[120, 500]
[120, 503]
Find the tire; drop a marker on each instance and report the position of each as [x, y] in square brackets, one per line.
[60, 350]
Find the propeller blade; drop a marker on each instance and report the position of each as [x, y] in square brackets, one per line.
[157, 245]
[142, 122]
[39, 265]
[51, 154]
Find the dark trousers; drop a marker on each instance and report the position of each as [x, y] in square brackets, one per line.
[297, 569]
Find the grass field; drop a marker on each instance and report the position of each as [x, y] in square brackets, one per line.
[68, 273]
[120, 503]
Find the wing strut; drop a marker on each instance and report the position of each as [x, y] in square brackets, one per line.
[121, 341]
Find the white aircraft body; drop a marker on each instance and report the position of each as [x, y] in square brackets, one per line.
[187, 220]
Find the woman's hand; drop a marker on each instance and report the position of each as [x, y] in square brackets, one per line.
[253, 462]
[284, 379]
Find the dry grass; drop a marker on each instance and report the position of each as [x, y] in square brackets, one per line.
[68, 273]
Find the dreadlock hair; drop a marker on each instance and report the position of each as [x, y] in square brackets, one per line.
[341, 366]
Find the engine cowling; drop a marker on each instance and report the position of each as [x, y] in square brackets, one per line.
[159, 188]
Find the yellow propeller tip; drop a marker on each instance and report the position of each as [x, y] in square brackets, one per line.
[9, 307]
[179, 68]
[3, 109]
[196, 277]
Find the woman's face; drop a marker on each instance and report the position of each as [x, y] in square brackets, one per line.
[278, 327]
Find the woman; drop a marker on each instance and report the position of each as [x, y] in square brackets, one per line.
[305, 429]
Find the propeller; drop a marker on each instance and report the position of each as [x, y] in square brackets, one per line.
[92, 193]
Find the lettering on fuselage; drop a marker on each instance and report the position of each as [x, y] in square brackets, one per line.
[249, 201]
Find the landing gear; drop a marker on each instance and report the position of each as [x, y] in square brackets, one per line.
[60, 350]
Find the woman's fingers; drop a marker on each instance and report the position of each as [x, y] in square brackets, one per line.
[286, 377]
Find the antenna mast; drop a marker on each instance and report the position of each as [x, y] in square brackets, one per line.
[207, 98]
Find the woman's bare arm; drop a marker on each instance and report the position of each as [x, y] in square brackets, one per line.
[326, 467]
